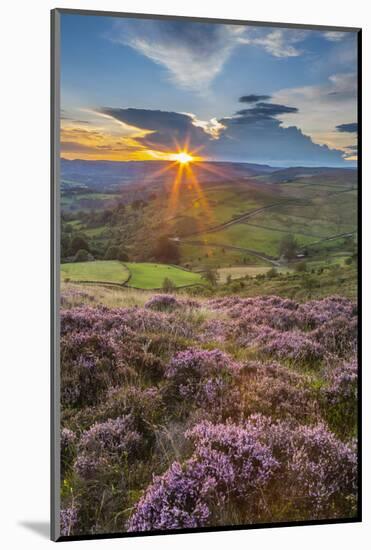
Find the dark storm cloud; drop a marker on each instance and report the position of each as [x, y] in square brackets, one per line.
[169, 129]
[253, 98]
[351, 127]
[262, 111]
[257, 133]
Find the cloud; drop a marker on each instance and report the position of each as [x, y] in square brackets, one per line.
[278, 42]
[194, 54]
[321, 108]
[166, 130]
[350, 127]
[334, 36]
[258, 135]
[254, 134]
[253, 98]
[76, 147]
[262, 111]
[96, 143]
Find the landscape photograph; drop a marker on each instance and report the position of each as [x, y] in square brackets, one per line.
[208, 193]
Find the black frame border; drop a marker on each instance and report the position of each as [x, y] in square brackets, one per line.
[55, 272]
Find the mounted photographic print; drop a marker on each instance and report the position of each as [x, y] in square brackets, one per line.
[205, 208]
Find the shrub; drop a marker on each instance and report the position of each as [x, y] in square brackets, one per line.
[293, 345]
[253, 472]
[68, 442]
[340, 398]
[163, 302]
[277, 391]
[168, 285]
[107, 442]
[201, 376]
[111, 253]
[68, 521]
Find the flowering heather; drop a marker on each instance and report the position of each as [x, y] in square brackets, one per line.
[266, 310]
[240, 468]
[123, 319]
[111, 436]
[285, 314]
[68, 442]
[216, 330]
[169, 435]
[145, 406]
[338, 336]
[76, 297]
[163, 302]
[275, 390]
[68, 521]
[226, 464]
[313, 314]
[174, 500]
[88, 466]
[90, 364]
[325, 470]
[342, 386]
[107, 441]
[293, 345]
[201, 375]
[168, 302]
[68, 438]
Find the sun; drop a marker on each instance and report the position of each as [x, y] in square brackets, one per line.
[183, 157]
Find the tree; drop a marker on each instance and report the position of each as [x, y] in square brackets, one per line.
[122, 256]
[78, 243]
[168, 285]
[82, 255]
[111, 253]
[288, 247]
[166, 250]
[65, 245]
[211, 276]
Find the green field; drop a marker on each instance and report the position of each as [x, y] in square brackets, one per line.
[110, 271]
[148, 275]
[259, 239]
[314, 209]
[135, 275]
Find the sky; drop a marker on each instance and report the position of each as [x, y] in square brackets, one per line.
[142, 89]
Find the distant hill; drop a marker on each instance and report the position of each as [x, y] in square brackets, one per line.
[111, 175]
[292, 174]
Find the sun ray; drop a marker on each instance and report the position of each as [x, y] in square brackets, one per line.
[201, 196]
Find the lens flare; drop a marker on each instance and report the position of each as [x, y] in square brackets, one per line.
[183, 157]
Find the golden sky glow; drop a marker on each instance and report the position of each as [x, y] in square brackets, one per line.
[102, 137]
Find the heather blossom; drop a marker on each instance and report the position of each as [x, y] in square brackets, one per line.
[106, 441]
[68, 521]
[241, 467]
[201, 375]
